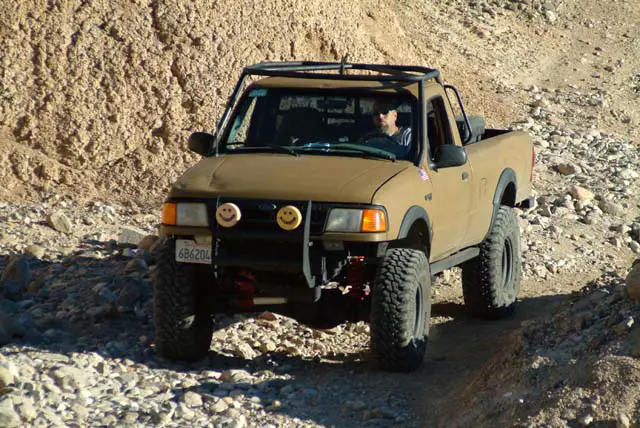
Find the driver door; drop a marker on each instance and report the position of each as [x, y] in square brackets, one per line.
[449, 202]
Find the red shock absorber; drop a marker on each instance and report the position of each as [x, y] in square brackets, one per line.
[357, 278]
[245, 286]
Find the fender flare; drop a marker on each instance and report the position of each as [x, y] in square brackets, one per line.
[507, 177]
[410, 217]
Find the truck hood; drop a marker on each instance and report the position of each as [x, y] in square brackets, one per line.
[278, 176]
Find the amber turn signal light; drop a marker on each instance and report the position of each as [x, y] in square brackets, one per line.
[373, 221]
[169, 213]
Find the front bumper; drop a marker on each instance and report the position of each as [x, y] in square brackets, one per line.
[257, 243]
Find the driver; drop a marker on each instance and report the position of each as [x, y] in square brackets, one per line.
[384, 116]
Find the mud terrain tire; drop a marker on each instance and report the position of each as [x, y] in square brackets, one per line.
[183, 324]
[491, 281]
[401, 310]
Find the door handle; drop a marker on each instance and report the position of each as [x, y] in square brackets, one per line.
[465, 176]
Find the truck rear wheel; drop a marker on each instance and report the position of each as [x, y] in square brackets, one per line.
[183, 324]
[491, 281]
[401, 310]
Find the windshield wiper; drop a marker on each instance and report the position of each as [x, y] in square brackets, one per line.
[273, 148]
[367, 150]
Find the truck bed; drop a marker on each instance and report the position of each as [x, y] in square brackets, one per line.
[478, 130]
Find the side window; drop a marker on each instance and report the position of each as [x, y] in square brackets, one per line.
[246, 122]
[438, 129]
[240, 130]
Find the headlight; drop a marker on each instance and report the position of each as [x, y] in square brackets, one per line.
[344, 220]
[356, 220]
[185, 214]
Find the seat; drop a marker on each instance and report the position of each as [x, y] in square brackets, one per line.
[299, 126]
[404, 119]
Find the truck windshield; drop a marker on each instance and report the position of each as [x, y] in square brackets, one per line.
[324, 122]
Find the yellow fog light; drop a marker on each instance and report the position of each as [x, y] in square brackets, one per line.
[228, 214]
[289, 217]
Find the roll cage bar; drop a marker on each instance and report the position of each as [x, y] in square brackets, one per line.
[299, 69]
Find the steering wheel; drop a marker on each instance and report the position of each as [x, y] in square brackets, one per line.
[385, 142]
[377, 139]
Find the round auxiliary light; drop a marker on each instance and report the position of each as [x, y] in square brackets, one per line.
[289, 217]
[228, 214]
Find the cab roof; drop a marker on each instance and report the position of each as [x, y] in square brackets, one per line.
[328, 75]
[322, 83]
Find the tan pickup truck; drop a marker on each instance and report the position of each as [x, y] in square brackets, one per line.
[340, 189]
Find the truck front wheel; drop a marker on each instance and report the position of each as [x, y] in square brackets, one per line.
[491, 281]
[183, 324]
[401, 310]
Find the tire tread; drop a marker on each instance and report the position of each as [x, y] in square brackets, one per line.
[182, 322]
[482, 276]
[393, 307]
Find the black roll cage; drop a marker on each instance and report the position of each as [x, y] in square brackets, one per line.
[306, 69]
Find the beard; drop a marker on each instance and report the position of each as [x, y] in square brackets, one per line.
[384, 128]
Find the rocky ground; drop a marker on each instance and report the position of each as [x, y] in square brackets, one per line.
[76, 337]
[77, 340]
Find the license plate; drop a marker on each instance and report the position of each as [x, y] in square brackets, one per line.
[188, 251]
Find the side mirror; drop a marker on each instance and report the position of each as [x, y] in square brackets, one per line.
[201, 142]
[449, 155]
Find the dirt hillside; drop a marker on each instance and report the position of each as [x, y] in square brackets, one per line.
[107, 92]
[97, 100]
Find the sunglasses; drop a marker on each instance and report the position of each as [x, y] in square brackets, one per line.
[383, 111]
